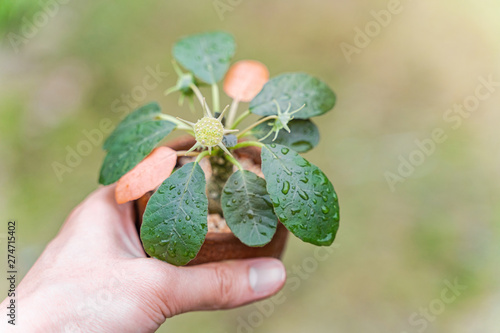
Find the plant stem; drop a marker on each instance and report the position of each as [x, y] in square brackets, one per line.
[240, 119]
[185, 153]
[198, 94]
[234, 161]
[215, 98]
[180, 124]
[249, 128]
[232, 113]
[222, 168]
[248, 144]
[201, 155]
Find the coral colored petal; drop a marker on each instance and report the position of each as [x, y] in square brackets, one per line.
[245, 80]
[147, 175]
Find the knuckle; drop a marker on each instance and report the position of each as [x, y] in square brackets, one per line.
[225, 285]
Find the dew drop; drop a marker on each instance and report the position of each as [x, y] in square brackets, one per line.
[315, 201]
[188, 217]
[325, 198]
[325, 209]
[303, 195]
[171, 252]
[295, 211]
[285, 150]
[286, 187]
[304, 180]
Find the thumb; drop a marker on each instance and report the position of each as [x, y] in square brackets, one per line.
[222, 285]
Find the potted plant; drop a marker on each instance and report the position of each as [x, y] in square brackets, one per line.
[252, 178]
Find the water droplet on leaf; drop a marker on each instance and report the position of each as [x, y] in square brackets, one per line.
[286, 187]
[303, 195]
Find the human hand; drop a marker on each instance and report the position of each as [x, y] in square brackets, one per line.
[95, 277]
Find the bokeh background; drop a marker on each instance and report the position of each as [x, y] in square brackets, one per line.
[395, 249]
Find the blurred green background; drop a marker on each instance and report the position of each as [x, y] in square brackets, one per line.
[395, 249]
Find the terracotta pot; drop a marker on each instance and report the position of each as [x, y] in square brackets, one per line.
[220, 246]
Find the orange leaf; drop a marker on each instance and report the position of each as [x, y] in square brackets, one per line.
[245, 79]
[146, 175]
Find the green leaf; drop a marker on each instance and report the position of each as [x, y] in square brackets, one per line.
[303, 197]
[247, 208]
[303, 136]
[297, 89]
[207, 55]
[133, 139]
[175, 220]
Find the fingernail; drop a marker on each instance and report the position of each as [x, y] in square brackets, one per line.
[266, 276]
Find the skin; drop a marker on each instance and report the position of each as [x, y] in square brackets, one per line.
[95, 277]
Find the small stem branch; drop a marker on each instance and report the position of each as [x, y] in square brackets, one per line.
[234, 161]
[249, 128]
[241, 118]
[198, 94]
[185, 153]
[232, 113]
[180, 124]
[248, 144]
[215, 98]
[201, 155]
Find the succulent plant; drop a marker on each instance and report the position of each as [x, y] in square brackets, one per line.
[293, 191]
